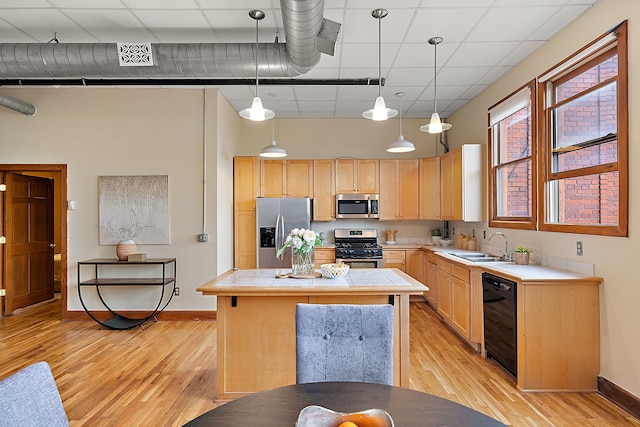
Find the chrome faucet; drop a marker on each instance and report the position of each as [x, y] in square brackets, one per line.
[506, 254]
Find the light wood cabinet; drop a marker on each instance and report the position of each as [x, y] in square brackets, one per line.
[286, 178]
[461, 192]
[324, 190]
[429, 188]
[245, 239]
[454, 296]
[431, 278]
[407, 260]
[413, 264]
[246, 184]
[558, 324]
[357, 176]
[399, 189]
[324, 255]
[393, 258]
[246, 171]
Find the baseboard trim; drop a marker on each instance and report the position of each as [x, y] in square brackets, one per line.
[619, 396]
[165, 315]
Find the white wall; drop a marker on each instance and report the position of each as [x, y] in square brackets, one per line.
[132, 132]
[613, 257]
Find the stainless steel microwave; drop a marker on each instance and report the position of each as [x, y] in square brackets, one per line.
[358, 206]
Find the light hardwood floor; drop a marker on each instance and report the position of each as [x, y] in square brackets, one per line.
[164, 375]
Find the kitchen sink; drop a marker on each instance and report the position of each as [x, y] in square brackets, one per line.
[478, 257]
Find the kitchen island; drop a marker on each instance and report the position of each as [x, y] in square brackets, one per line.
[256, 321]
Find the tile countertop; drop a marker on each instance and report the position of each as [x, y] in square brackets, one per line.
[511, 270]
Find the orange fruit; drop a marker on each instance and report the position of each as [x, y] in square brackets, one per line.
[348, 424]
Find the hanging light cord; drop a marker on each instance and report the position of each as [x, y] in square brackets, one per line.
[379, 55]
[435, 77]
[257, 20]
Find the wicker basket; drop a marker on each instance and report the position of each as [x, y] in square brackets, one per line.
[334, 271]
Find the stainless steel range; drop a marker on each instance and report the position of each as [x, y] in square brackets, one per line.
[358, 247]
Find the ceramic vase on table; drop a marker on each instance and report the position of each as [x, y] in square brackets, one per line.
[302, 263]
[125, 248]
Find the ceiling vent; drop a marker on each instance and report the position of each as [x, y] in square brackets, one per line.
[135, 54]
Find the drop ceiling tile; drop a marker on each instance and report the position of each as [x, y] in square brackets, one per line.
[552, 25]
[481, 54]
[360, 27]
[461, 75]
[320, 93]
[510, 23]
[40, 24]
[438, 22]
[523, 50]
[104, 22]
[161, 4]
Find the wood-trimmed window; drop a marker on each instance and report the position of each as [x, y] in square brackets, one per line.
[512, 160]
[584, 140]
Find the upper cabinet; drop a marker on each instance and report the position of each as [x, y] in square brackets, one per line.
[357, 176]
[429, 187]
[246, 171]
[324, 190]
[399, 195]
[461, 192]
[286, 178]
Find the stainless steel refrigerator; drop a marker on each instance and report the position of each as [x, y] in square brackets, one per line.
[275, 218]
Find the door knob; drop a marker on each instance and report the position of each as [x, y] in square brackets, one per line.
[52, 245]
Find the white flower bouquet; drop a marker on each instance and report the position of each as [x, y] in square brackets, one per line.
[301, 241]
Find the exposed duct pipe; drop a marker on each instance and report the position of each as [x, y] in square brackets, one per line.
[17, 105]
[307, 34]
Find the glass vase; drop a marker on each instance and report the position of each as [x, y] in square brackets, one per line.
[302, 263]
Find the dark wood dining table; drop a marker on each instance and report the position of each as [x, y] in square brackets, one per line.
[281, 406]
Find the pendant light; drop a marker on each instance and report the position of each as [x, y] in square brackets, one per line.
[257, 113]
[272, 150]
[379, 110]
[436, 125]
[400, 145]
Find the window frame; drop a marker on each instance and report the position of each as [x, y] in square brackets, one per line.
[592, 54]
[523, 223]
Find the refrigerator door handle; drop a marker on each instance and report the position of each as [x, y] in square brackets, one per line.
[279, 237]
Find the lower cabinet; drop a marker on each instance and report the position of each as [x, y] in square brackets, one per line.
[430, 275]
[407, 260]
[324, 255]
[454, 296]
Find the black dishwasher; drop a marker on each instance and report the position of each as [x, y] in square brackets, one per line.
[500, 323]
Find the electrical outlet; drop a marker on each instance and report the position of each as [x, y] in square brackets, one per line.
[203, 237]
[579, 248]
[176, 291]
[484, 234]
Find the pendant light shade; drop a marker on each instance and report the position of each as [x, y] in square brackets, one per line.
[379, 111]
[435, 125]
[400, 145]
[257, 112]
[272, 150]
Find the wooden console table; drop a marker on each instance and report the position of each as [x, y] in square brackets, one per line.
[118, 321]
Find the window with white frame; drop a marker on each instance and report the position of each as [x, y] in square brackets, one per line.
[585, 128]
[512, 153]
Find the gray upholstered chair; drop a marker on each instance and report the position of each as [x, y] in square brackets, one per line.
[30, 397]
[340, 342]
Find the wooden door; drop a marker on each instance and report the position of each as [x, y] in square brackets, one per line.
[413, 264]
[429, 198]
[446, 187]
[456, 183]
[299, 178]
[246, 171]
[244, 237]
[28, 208]
[345, 176]
[408, 193]
[389, 190]
[394, 258]
[460, 307]
[273, 178]
[324, 190]
[444, 294]
[368, 173]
